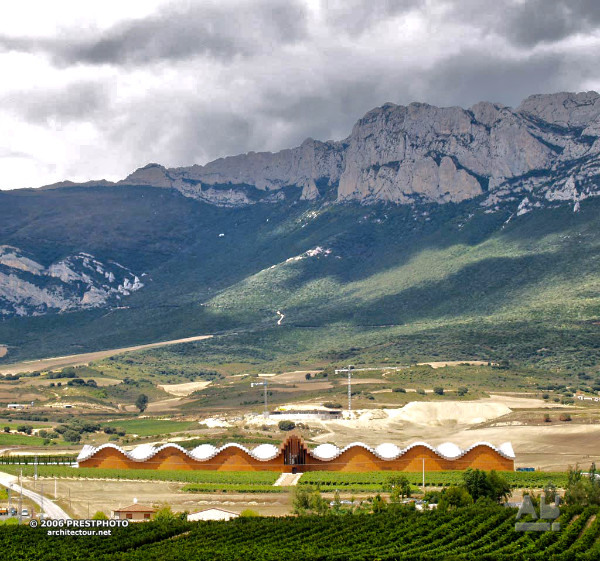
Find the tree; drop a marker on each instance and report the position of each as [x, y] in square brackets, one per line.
[462, 391]
[480, 484]
[379, 504]
[336, 506]
[286, 425]
[71, 436]
[398, 486]
[301, 500]
[307, 376]
[476, 483]
[332, 405]
[6, 429]
[249, 513]
[454, 497]
[499, 487]
[141, 402]
[438, 390]
[583, 489]
[99, 515]
[308, 501]
[165, 514]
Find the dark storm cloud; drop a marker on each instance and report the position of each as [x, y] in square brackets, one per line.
[468, 77]
[79, 102]
[532, 22]
[198, 80]
[179, 32]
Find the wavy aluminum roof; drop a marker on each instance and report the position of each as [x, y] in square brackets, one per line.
[388, 451]
[266, 452]
[204, 452]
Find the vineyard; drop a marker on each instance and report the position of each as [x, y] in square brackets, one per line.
[474, 533]
[199, 476]
[259, 481]
[376, 480]
[232, 488]
[43, 459]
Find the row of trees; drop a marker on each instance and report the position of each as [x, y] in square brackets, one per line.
[477, 486]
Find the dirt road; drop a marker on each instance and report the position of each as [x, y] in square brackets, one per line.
[57, 363]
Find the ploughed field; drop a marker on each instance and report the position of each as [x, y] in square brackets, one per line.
[478, 532]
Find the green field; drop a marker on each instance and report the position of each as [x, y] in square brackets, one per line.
[475, 533]
[151, 427]
[9, 439]
[199, 476]
[325, 480]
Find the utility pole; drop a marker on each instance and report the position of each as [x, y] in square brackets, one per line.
[265, 385]
[35, 465]
[20, 497]
[349, 371]
[42, 501]
[423, 474]
[349, 390]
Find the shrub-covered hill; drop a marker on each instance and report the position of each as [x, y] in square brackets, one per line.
[396, 282]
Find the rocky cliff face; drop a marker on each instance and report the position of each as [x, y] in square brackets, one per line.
[547, 149]
[74, 283]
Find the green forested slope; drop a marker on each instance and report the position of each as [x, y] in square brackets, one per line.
[388, 281]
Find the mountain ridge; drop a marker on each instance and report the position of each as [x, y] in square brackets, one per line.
[419, 152]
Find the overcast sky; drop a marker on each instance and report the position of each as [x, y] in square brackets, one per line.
[92, 90]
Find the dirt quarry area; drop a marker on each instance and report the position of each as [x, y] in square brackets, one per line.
[553, 445]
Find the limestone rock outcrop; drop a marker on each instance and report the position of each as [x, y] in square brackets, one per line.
[417, 153]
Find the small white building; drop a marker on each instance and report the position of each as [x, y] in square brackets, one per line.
[212, 514]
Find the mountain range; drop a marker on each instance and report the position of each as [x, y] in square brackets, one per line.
[548, 147]
[424, 222]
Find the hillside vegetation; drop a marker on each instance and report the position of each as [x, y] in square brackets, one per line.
[379, 283]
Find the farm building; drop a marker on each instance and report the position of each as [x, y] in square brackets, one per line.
[212, 514]
[294, 456]
[134, 512]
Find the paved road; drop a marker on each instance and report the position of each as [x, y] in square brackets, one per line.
[51, 509]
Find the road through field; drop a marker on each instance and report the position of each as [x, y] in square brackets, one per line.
[51, 509]
[57, 363]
